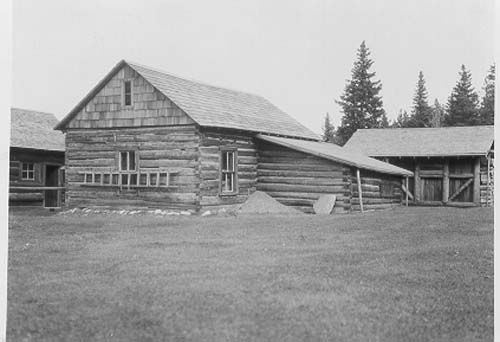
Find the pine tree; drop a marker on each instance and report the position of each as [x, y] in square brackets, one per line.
[463, 102]
[487, 110]
[328, 130]
[384, 122]
[421, 114]
[438, 114]
[360, 103]
[401, 120]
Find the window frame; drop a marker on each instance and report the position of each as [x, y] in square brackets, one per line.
[223, 172]
[28, 171]
[124, 93]
[128, 169]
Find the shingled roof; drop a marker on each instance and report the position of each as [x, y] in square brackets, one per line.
[336, 153]
[211, 106]
[35, 130]
[423, 142]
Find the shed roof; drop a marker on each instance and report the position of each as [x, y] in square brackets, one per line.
[423, 142]
[211, 106]
[338, 154]
[33, 129]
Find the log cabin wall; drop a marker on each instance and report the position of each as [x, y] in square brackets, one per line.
[379, 191]
[149, 107]
[39, 159]
[456, 181]
[487, 183]
[298, 179]
[212, 143]
[174, 149]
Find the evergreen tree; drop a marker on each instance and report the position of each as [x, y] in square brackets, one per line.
[384, 122]
[402, 120]
[360, 103]
[463, 102]
[438, 114]
[328, 130]
[487, 110]
[421, 115]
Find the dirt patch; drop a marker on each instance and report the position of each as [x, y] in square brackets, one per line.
[261, 203]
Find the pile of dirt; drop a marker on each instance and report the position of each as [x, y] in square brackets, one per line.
[261, 203]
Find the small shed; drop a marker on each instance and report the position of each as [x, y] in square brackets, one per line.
[36, 159]
[452, 165]
[146, 138]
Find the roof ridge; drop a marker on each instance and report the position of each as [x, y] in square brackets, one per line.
[421, 128]
[132, 63]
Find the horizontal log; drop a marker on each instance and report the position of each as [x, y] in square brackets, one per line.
[35, 188]
[301, 188]
[298, 166]
[303, 195]
[296, 173]
[303, 181]
[372, 207]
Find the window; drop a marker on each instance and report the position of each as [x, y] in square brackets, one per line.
[127, 161]
[228, 172]
[127, 93]
[28, 171]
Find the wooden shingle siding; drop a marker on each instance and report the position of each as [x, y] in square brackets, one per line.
[170, 148]
[374, 197]
[211, 144]
[298, 179]
[149, 106]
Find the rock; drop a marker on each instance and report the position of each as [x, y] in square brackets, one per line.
[207, 213]
[157, 212]
[184, 212]
[261, 203]
[173, 213]
[324, 205]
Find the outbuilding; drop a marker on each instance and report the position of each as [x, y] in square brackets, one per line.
[452, 165]
[146, 138]
[36, 160]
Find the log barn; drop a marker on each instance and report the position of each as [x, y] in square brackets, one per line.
[145, 138]
[452, 165]
[36, 159]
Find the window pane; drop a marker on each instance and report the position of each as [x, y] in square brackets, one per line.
[133, 179]
[31, 167]
[230, 161]
[115, 179]
[131, 160]
[163, 179]
[143, 179]
[128, 93]
[152, 180]
[88, 178]
[224, 161]
[97, 178]
[106, 178]
[123, 160]
[124, 180]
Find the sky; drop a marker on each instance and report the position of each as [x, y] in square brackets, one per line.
[297, 54]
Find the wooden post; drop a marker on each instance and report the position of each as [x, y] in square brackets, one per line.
[416, 191]
[477, 181]
[446, 181]
[407, 189]
[360, 193]
[488, 188]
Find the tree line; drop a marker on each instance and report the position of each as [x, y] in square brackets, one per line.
[362, 106]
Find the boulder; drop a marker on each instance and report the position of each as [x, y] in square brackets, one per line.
[324, 205]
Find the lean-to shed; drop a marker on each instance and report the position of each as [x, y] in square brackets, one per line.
[452, 165]
[36, 159]
[146, 138]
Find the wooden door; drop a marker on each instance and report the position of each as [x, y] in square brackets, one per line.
[432, 189]
[461, 181]
[51, 179]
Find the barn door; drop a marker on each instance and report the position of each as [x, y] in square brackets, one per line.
[461, 181]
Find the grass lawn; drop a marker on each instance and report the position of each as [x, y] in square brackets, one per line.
[410, 274]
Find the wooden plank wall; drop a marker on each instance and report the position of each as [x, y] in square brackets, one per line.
[212, 141]
[298, 179]
[174, 147]
[39, 158]
[487, 193]
[149, 107]
[380, 191]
